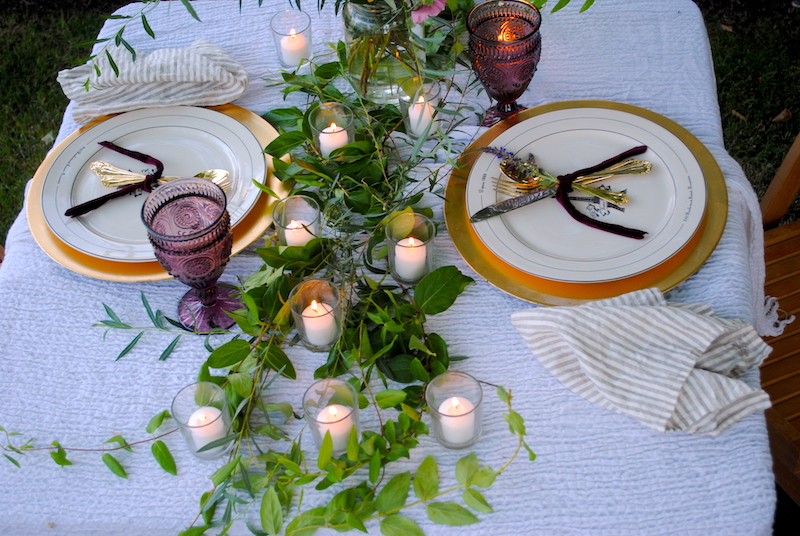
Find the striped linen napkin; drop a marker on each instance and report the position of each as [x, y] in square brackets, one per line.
[671, 366]
[201, 75]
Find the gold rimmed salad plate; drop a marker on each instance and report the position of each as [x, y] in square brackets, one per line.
[541, 254]
[116, 251]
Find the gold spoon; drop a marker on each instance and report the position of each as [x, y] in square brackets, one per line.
[113, 176]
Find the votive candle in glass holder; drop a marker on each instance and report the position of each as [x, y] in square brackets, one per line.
[296, 219]
[454, 400]
[418, 101]
[291, 31]
[410, 237]
[316, 306]
[332, 126]
[202, 413]
[331, 406]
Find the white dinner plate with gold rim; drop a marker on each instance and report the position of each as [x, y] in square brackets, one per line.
[185, 139]
[543, 240]
[249, 229]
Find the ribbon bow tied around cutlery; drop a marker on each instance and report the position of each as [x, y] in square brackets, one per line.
[543, 185]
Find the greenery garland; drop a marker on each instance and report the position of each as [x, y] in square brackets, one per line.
[385, 339]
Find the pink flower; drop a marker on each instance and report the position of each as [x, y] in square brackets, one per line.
[422, 13]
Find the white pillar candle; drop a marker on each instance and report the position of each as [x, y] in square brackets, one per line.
[336, 419]
[207, 425]
[319, 324]
[294, 48]
[299, 233]
[410, 259]
[332, 138]
[420, 116]
[458, 424]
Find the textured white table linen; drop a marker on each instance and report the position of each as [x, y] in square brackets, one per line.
[597, 473]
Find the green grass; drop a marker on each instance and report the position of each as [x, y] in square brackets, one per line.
[755, 46]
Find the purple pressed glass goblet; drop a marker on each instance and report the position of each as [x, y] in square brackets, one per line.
[504, 46]
[190, 231]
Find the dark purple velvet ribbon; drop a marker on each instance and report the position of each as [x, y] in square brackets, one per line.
[565, 187]
[146, 185]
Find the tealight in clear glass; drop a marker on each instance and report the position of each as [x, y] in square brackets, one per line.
[202, 413]
[291, 31]
[296, 219]
[418, 101]
[331, 405]
[410, 237]
[316, 306]
[332, 126]
[455, 403]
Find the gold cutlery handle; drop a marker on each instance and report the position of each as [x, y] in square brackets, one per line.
[112, 176]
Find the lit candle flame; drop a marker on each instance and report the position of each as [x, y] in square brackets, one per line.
[334, 126]
[314, 306]
[455, 403]
[292, 32]
[505, 33]
[202, 417]
[332, 411]
[421, 99]
[412, 242]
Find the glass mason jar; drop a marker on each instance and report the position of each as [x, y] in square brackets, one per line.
[380, 49]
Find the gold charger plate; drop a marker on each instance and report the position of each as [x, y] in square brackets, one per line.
[544, 291]
[248, 230]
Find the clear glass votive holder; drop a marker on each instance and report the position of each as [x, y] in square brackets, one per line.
[202, 413]
[418, 101]
[296, 219]
[331, 405]
[332, 126]
[454, 400]
[291, 31]
[410, 237]
[316, 306]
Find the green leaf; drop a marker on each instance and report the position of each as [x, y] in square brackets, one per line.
[118, 439]
[156, 421]
[12, 460]
[375, 467]
[531, 454]
[228, 354]
[191, 10]
[559, 5]
[242, 383]
[112, 63]
[426, 481]
[147, 27]
[194, 531]
[352, 445]
[466, 468]
[278, 361]
[475, 500]
[224, 472]
[418, 371]
[397, 525]
[271, 513]
[112, 463]
[355, 522]
[285, 143]
[59, 455]
[283, 407]
[170, 347]
[389, 398]
[502, 394]
[393, 495]
[325, 451]
[130, 346]
[310, 518]
[164, 457]
[437, 291]
[484, 477]
[515, 422]
[448, 513]
[207, 509]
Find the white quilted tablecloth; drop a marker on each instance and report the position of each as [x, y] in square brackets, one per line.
[597, 472]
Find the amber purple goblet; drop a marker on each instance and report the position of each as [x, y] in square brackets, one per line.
[504, 46]
[190, 230]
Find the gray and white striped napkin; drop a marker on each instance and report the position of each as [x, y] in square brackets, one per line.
[671, 366]
[201, 75]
